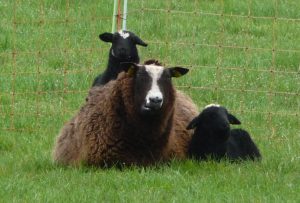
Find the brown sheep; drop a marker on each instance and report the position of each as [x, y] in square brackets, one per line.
[137, 119]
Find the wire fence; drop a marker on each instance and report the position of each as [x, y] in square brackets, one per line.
[177, 33]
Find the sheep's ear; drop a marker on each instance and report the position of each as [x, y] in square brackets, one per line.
[106, 37]
[193, 123]
[233, 120]
[138, 41]
[130, 68]
[178, 71]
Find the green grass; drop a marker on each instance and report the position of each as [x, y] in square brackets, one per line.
[50, 52]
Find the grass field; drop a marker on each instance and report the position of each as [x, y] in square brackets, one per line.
[242, 54]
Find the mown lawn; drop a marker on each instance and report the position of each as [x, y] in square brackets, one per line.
[242, 54]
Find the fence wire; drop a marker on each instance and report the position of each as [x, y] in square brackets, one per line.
[28, 86]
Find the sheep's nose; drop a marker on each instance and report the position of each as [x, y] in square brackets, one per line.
[155, 100]
[154, 103]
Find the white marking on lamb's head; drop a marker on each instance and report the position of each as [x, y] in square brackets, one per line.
[211, 105]
[154, 95]
[123, 34]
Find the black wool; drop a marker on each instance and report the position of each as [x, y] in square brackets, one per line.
[213, 138]
[123, 50]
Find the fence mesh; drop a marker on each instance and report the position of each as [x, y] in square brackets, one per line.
[244, 55]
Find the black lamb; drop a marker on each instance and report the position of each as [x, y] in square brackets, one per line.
[123, 49]
[214, 139]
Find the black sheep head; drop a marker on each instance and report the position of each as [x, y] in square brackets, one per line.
[123, 45]
[214, 123]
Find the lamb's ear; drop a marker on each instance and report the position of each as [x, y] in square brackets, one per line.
[138, 41]
[233, 120]
[178, 71]
[193, 123]
[106, 37]
[130, 68]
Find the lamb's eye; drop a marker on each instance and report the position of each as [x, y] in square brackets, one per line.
[166, 78]
[142, 75]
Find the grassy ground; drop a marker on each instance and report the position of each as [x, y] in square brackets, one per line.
[50, 53]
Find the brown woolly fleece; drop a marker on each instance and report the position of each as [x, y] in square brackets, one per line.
[107, 131]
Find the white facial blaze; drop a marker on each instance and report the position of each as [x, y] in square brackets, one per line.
[123, 34]
[155, 73]
[211, 105]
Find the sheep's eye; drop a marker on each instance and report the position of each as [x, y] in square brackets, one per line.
[114, 38]
[142, 75]
[166, 78]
